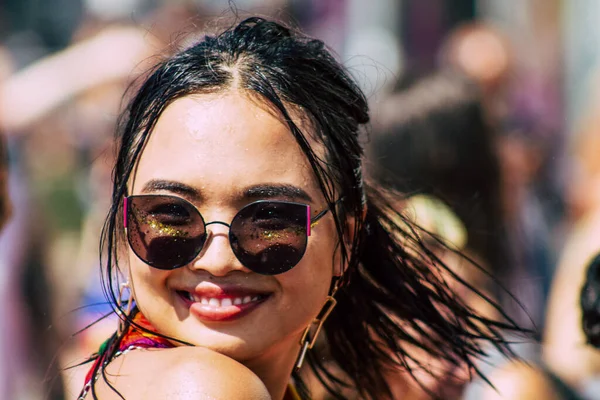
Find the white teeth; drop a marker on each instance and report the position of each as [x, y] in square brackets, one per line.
[226, 303]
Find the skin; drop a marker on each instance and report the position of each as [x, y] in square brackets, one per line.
[519, 381]
[565, 349]
[482, 53]
[220, 145]
[135, 377]
[565, 346]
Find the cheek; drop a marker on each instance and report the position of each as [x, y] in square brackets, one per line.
[304, 293]
[306, 286]
[146, 282]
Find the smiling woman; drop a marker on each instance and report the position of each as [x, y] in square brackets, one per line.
[241, 225]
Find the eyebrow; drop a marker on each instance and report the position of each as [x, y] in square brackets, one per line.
[276, 190]
[261, 191]
[170, 186]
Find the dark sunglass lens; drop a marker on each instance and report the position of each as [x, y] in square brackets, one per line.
[166, 232]
[269, 237]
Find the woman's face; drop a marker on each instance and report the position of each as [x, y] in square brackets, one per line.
[221, 152]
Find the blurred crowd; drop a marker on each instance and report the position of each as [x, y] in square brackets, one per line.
[470, 120]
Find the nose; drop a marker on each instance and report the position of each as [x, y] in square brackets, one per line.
[217, 257]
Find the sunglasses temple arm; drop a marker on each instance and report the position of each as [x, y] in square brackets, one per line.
[317, 217]
[314, 220]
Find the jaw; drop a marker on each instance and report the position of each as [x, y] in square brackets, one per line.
[274, 367]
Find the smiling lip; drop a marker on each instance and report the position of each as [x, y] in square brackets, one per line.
[212, 303]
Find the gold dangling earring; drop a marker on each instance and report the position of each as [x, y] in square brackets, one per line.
[308, 340]
[123, 313]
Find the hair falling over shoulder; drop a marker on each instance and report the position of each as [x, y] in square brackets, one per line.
[397, 311]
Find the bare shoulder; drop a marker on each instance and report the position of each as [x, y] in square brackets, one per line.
[179, 373]
[565, 349]
[520, 381]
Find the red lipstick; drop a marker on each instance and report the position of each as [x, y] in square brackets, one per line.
[212, 303]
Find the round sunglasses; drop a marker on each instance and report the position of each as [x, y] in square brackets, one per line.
[168, 232]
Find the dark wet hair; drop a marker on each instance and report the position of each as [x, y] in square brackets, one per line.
[394, 295]
[590, 303]
[433, 138]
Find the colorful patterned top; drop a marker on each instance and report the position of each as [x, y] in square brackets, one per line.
[136, 338]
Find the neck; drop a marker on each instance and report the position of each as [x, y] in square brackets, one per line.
[275, 367]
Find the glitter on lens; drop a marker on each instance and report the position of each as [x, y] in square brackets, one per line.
[272, 235]
[163, 228]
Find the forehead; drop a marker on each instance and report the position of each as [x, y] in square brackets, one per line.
[222, 143]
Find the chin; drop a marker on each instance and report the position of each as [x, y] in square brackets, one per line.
[240, 347]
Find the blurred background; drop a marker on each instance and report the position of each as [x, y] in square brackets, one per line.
[518, 173]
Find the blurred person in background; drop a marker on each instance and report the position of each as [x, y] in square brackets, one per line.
[565, 349]
[432, 138]
[529, 206]
[12, 307]
[41, 244]
[433, 143]
[549, 379]
[25, 352]
[484, 54]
